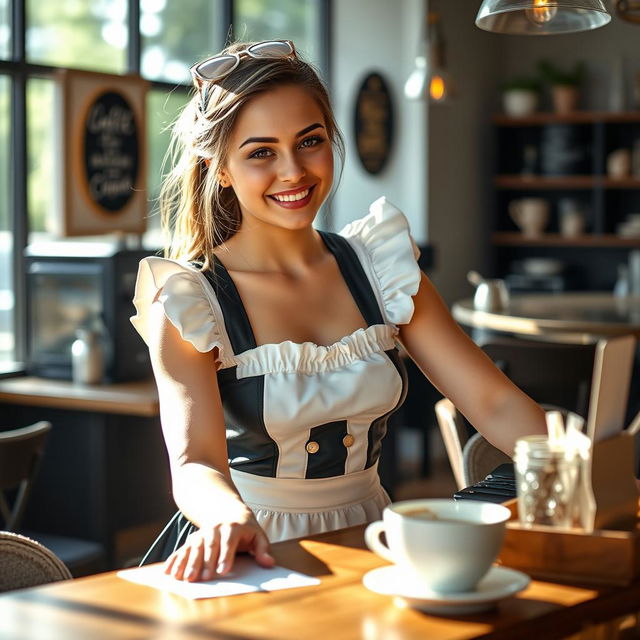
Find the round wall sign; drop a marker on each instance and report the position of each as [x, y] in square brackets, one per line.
[373, 123]
[111, 151]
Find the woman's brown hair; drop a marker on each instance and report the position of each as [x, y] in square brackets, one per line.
[197, 212]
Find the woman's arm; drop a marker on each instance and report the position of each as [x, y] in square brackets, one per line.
[465, 374]
[194, 432]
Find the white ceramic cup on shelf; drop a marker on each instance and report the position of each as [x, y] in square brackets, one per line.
[447, 546]
[530, 215]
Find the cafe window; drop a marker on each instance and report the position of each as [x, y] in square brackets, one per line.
[5, 29]
[6, 245]
[86, 34]
[96, 35]
[297, 20]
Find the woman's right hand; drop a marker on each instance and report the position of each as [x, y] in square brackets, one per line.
[211, 550]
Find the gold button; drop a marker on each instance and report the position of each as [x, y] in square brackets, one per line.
[312, 447]
[348, 440]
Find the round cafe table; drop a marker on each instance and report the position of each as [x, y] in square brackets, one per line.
[567, 316]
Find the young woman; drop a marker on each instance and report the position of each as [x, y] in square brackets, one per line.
[274, 345]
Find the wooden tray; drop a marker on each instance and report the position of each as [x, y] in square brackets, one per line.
[604, 557]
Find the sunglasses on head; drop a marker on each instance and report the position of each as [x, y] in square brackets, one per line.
[216, 68]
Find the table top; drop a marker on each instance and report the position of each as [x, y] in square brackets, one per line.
[583, 314]
[137, 398]
[105, 607]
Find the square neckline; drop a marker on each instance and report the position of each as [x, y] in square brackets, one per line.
[353, 276]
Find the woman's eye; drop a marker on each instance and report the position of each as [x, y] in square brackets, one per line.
[260, 153]
[312, 141]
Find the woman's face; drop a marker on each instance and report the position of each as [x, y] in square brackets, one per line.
[280, 160]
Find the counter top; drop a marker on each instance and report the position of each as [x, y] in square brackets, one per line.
[138, 398]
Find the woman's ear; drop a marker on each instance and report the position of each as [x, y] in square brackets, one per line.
[207, 161]
[223, 179]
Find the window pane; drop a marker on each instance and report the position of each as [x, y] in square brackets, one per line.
[177, 34]
[7, 347]
[297, 20]
[162, 110]
[87, 34]
[40, 154]
[5, 28]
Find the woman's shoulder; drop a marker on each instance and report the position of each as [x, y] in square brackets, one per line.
[187, 299]
[382, 239]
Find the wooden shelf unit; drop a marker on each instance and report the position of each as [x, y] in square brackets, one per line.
[516, 239]
[564, 182]
[576, 147]
[577, 117]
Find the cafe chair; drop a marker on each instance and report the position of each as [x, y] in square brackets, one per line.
[26, 563]
[21, 451]
[20, 454]
[551, 373]
[481, 456]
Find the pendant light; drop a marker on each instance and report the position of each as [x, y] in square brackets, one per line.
[430, 79]
[541, 17]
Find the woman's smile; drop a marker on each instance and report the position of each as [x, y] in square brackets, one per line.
[295, 198]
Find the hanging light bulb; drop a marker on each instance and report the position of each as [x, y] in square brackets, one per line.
[541, 17]
[542, 12]
[430, 78]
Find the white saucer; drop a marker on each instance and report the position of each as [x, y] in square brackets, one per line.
[499, 583]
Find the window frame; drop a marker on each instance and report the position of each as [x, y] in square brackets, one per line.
[19, 70]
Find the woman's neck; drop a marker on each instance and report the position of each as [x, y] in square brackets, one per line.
[269, 249]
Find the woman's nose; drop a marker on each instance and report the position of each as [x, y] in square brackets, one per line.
[291, 169]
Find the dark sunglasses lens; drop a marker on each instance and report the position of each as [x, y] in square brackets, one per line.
[270, 49]
[216, 67]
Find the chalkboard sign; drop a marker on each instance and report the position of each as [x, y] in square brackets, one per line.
[373, 123]
[111, 151]
[101, 143]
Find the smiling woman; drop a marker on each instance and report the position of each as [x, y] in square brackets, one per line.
[275, 345]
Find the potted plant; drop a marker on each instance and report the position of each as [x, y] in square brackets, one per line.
[565, 85]
[520, 96]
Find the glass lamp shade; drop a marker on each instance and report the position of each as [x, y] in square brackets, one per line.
[541, 17]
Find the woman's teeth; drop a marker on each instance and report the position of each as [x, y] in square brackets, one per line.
[292, 198]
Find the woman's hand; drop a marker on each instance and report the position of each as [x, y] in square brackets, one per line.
[211, 550]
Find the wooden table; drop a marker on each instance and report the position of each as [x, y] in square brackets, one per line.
[137, 398]
[571, 316]
[105, 607]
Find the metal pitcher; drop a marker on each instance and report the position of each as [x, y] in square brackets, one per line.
[490, 295]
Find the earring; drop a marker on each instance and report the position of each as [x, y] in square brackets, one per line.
[224, 182]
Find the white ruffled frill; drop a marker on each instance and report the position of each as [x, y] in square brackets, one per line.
[188, 302]
[388, 254]
[309, 358]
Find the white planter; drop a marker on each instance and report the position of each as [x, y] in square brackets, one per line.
[519, 103]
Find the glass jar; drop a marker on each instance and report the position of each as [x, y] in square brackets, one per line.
[546, 477]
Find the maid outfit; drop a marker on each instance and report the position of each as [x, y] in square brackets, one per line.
[304, 422]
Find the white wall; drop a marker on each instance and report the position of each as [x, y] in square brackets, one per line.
[380, 35]
[460, 151]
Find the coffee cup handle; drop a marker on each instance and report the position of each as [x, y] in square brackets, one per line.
[372, 538]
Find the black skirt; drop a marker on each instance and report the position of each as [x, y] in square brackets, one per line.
[173, 536]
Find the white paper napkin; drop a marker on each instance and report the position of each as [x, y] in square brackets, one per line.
[246, 577]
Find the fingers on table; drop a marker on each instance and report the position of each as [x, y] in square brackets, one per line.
[229, 539]
[261, 551]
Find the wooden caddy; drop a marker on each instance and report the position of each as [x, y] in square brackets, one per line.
[610, 554]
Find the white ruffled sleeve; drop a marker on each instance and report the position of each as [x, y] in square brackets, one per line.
[389, 256]
[188, 302]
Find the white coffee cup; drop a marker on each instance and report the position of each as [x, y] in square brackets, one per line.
[445, 545]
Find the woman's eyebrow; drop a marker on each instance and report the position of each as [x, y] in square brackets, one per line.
[311, 127]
